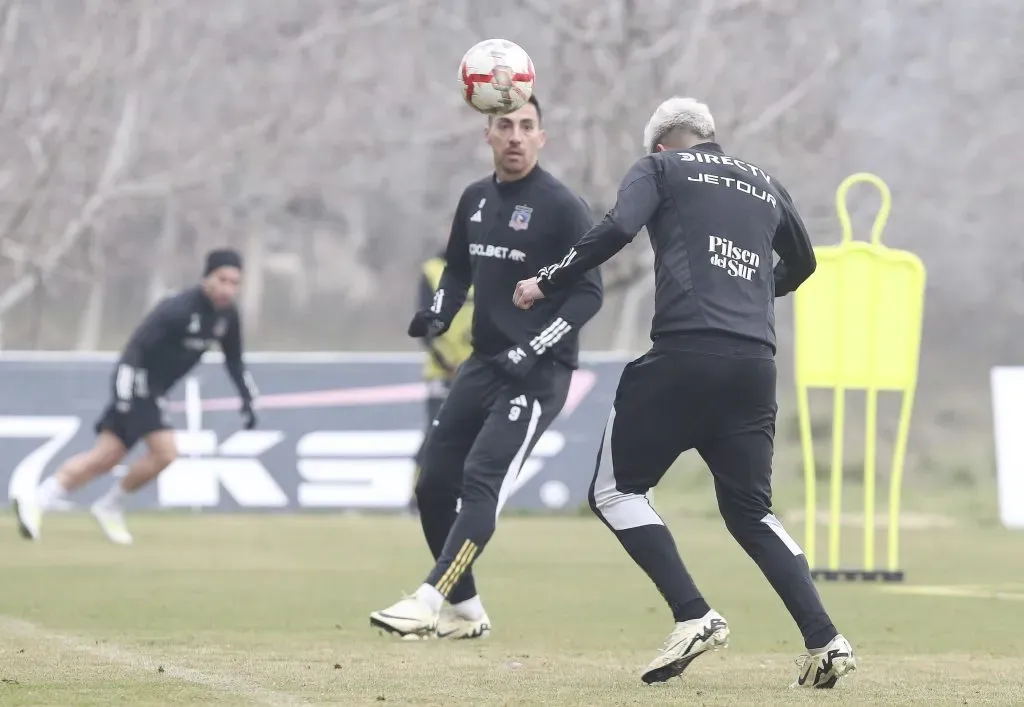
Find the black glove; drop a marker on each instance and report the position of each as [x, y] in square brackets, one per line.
[516, 361]
[249, 418]
[426, 323]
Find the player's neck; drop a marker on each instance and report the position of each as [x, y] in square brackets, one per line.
[207, 300]
[503, 177]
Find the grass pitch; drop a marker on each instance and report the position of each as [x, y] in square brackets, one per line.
[272, 610]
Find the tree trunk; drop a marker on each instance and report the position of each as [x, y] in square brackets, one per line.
[90, 325]
[252, 290]
[166, 248]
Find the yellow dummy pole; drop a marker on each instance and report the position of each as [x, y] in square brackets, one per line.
[858, 324]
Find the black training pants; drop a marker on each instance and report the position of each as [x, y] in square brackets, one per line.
[483, 434]
[715, 395]
[437, 391]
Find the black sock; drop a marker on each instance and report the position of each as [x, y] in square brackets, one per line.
[821, 638]
[652, 547]
[694, 609]
[785, 567]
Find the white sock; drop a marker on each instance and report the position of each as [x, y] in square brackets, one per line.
[114, 498]
[472, 608]
[429, 595]
[48, 492]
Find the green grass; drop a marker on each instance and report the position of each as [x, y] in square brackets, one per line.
[273, 610]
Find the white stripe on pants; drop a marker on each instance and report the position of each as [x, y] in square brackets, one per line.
[509, 482]
[620, 510]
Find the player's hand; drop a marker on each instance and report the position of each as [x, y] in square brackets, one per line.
[426, 323]
[527, 292]
[249, 418]
[516, 361]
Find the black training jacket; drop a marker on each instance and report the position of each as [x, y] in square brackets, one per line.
[503, 232]
[171, 340]
[713, 221]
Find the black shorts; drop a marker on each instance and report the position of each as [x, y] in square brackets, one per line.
[713, 395]
[145, 416]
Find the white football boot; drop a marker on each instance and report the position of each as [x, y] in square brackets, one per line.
[410, 619]
[111, 520]
[452, 624]
[822, 668]
[29, 515]
[688, 640]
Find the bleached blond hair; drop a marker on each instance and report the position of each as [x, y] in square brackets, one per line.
[678, 112]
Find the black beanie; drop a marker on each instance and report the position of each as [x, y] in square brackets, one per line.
[224, 257]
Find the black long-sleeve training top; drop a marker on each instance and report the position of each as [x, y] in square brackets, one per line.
[502, 233]
[713, 221]
[171, 340]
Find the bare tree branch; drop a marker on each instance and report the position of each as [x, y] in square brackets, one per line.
[334, 132]
[9, 33]
[566, 27]
[117, 158]
[788, 100]
[346, 26]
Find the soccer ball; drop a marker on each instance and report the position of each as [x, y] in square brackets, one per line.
[496, 77]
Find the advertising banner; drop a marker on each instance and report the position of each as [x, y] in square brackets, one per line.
[336, 432]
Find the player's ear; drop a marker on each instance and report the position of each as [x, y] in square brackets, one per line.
[543, 137]
[659, 147]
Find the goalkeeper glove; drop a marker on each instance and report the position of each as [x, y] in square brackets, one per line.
[517, 361]
[426, 323]
[249, 418]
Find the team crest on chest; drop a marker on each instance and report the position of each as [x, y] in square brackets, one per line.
[520, 220]
[220, 328]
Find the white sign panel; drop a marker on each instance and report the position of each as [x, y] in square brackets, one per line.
[1008, 415]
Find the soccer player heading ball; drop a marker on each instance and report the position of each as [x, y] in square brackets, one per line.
[514, 383]
[168, 343]
[708, 382]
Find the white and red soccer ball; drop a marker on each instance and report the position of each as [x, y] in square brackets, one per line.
[496, 77]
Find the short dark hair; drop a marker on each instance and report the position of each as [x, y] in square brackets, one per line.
[536, 104]
[533, 101]
[221, 258]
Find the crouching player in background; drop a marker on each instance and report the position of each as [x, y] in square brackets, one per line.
[445, 353]
[166, 345]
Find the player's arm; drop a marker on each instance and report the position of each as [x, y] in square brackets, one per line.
[424, 293]
[583, 300]
[584, 297]
[636, 203]
[425, 300]
[455, 280]
[167, 316]
[796, 253]
[231, 346]
[458, 271]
